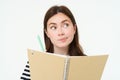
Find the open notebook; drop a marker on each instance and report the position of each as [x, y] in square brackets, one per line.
[47, 66]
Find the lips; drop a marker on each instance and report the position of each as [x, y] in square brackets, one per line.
[63, 39]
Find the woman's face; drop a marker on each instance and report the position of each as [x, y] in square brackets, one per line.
[60, 30]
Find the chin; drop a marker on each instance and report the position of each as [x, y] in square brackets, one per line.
[62, 46]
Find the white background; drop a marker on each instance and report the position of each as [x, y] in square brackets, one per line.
[22, 20]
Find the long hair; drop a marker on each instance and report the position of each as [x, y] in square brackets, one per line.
[74, 47]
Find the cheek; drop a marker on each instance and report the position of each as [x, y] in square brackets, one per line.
[52, 36]
[70, 32]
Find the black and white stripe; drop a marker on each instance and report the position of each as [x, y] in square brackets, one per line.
[26, 73]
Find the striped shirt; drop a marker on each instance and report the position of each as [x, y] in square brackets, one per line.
[26, 73]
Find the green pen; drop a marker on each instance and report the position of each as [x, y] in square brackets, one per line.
[40, 43]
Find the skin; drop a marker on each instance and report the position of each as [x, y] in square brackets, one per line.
[61, 32]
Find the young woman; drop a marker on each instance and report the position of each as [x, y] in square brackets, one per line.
[60, 34]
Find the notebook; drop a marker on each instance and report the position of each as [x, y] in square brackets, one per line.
[49, 66]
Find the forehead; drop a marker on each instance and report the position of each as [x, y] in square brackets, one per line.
[57, 18]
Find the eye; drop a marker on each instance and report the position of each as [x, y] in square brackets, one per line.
[53, 27]
[66, 25]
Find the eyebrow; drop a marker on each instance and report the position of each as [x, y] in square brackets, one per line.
[52, 24]
[65, 20]
[61, 22]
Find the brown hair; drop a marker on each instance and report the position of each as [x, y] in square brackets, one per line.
[74, 48]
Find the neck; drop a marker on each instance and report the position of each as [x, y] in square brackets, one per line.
[63, 51]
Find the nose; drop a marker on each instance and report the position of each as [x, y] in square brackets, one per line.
[60, 32]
